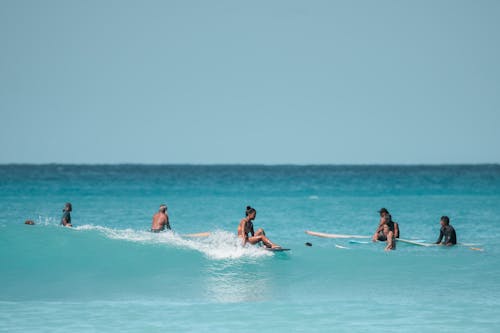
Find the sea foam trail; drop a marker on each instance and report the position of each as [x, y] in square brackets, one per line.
[218, 245]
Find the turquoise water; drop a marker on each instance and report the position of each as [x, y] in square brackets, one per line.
[110, 274]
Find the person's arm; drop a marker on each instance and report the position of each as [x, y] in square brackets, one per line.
[241, 233]
[245, 237]
[441, 235]
[167, 222]
[375, 235]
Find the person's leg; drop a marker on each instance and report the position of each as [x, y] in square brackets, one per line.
[266, 241]
[263, 239]
[260, 232]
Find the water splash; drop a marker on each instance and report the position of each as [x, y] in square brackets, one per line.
[218, 245]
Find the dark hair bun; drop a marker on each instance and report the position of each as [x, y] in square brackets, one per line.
[249, 210]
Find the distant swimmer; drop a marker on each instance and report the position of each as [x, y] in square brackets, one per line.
[447, 232]
[29, 222]
[160, 220]
[246, 227]
[66, 218]
[393, 226]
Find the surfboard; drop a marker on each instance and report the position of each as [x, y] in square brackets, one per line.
[276, 249]
[325, 235]
[200, 234]
[476, 249]
[468, 244]
[421, 243]
[408, 241]
[353, 241]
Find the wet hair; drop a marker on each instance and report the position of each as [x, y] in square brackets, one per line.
[250, 210]
[388, 217]
[383, 211]
[445, 219]
[163, 207]
[67, 205]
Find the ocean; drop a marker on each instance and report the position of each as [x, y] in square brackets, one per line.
[110, 274]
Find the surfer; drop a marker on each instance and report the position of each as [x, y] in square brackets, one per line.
[160, 220]
[246, 227]
[393, 225]
[447, 231]
[389, 236]
[66, 218]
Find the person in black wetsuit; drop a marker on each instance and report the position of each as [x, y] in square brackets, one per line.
[447, 232]
[66, 218]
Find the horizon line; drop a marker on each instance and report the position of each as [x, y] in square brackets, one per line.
[248, 164]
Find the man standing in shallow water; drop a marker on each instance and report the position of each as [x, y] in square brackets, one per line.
[160, 220]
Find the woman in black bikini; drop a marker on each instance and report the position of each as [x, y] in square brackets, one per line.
[246, 227]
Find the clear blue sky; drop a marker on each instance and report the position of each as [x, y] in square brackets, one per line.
[303, 82]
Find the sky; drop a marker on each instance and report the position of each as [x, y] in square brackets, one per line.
[250, 82]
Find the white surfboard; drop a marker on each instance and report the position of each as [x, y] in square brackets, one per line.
[408, 241]
[325, 235]
[353, 241]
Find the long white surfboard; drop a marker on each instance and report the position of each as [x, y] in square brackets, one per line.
[325, 235]
[409, 241]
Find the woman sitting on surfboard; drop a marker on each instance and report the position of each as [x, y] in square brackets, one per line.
[246, 227]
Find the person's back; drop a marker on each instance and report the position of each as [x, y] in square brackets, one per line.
[160, 220]
[450, 236]
[396, 229]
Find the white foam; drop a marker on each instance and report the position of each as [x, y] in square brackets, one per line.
[218, 245]
[46, 221]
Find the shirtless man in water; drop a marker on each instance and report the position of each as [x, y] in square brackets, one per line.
[246, 227]
[160, 220]
[389, 235]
